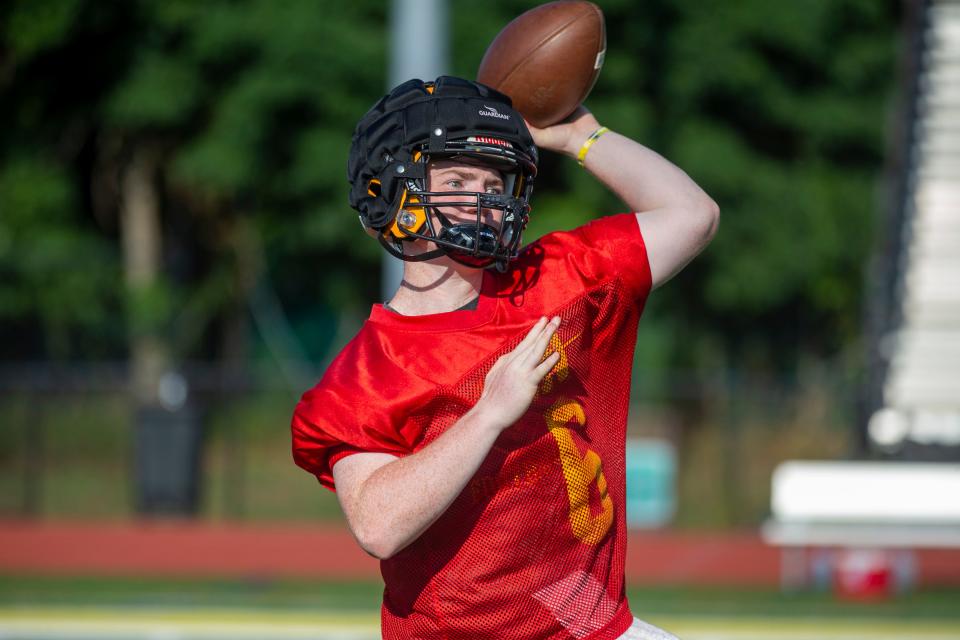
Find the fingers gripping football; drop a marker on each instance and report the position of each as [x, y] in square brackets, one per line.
[512, 382]
[568, 135]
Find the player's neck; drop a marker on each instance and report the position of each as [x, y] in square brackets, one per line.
[428, 288]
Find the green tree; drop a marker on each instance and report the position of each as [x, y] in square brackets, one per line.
[235, 117]
[58, 271]
[221, 127]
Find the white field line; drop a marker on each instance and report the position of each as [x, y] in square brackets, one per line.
[65, 623]
[777, 628]
[87, 623]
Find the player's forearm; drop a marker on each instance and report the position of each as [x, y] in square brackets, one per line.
[389, 502]
[400, 500]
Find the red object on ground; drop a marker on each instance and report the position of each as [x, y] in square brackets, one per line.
[864, 574]
[327, 551]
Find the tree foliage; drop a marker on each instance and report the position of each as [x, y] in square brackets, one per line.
[247, 107]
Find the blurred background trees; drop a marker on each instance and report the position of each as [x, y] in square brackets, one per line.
[216, 131]
[172, 176]
[229, 123]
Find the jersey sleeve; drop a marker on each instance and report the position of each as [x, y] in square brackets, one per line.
[604, 249]
[325, 429]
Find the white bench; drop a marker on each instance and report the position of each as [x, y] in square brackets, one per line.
[882, 505]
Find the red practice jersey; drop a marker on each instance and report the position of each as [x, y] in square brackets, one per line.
[534, 545]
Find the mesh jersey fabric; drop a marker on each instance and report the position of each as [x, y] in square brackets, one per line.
[534, 545]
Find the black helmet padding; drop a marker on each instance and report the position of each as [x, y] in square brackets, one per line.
[418, 116]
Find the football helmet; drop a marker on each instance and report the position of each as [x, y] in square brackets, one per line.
[451, 119]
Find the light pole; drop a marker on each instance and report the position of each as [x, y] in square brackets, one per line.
[419, 48]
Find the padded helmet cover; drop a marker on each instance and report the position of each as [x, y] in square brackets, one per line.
[413, 118]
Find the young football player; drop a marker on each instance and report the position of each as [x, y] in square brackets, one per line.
[474, 429]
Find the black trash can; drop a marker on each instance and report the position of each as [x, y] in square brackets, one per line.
[167, 458]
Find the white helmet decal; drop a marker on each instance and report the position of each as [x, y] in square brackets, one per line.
[491, 112]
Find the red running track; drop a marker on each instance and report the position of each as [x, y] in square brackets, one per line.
[327, 551]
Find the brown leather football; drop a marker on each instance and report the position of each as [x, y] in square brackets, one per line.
[547, 59]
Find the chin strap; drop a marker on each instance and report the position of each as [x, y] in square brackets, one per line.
[396, 250]
[455, 233]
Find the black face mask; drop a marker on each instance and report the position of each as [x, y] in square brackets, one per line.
[473, 243]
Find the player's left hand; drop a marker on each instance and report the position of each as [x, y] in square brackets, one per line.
[567, 136]
[512, 382]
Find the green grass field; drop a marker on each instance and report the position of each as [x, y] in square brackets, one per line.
[49, 608]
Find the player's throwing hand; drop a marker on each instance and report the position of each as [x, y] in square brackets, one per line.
[512, 382]
[566, 136]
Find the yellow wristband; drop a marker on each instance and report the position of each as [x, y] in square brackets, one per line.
[581, 156]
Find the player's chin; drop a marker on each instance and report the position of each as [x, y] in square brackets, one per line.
[462, 262]
[471, 262]
[419, 247]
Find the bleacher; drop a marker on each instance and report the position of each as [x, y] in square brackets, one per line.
[908, 496]
[920, 397]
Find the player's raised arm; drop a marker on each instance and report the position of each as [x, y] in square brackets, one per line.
[677, 218]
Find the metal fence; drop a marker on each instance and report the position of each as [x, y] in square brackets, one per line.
[74, 445]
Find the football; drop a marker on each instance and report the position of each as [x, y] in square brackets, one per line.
[547, 59]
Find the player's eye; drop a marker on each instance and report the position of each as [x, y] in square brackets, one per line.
[455, 185]
[495, 190]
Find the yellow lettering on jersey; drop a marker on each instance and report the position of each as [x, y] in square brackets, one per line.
[580, 472]
[560, 370]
